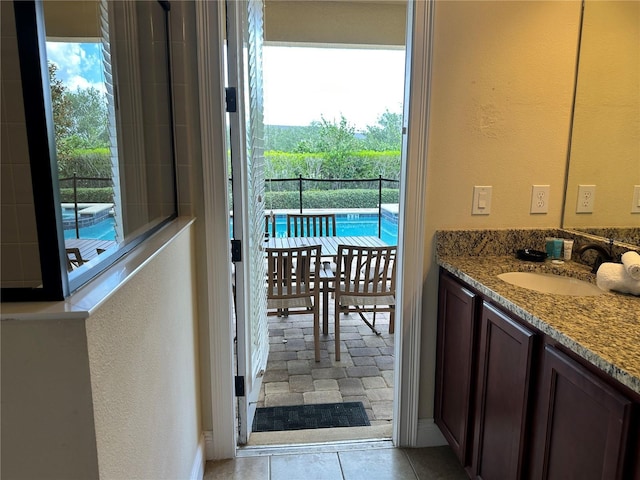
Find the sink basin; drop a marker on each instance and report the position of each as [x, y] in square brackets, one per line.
[549, 283]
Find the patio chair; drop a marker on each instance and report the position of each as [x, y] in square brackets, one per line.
[366, 283]
[311, 225]
[74, 258]
[291, 288]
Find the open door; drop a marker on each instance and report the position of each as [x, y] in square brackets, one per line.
[245, 107]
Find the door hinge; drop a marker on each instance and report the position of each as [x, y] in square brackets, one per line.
[236, 251]
[239, 386]
[231, 99]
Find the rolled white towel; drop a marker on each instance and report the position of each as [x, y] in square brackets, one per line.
[613, 276]
[631, 262]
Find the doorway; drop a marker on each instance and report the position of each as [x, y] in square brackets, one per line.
[410, 276]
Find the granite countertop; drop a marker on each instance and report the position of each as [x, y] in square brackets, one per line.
[603, 329]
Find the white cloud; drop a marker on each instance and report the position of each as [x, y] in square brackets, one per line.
[80, 83]
[79, 65]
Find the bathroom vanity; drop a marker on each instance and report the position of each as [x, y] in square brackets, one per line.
[536, 385]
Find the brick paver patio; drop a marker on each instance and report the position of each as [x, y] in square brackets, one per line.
[365, 372]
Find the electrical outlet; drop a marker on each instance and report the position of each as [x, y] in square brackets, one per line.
[540, 199]
[481, 200]
[635, 206]
[586, 198]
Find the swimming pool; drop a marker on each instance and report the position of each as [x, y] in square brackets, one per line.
[354, 225]
[351, 225]
[347, 225]
[99, 231]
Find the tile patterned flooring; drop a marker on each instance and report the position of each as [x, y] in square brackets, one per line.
[363, 374]
[373, 463]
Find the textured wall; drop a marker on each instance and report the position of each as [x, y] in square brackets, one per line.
[501, 100]
[47, 416]
[605, 148]
[144, 374]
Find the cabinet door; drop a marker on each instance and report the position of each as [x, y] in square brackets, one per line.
[581, 423]
[454, 361]
[504, 366]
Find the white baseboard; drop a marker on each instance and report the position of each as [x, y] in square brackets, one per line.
[429, 435]
[208, 445]
[197, 470]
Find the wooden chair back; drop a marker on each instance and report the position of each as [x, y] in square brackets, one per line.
[311, 225]
[367, 272]
[291, 287]
[289, 275]
[74, 258]
[366, 283]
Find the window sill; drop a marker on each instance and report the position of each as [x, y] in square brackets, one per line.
[82, 303]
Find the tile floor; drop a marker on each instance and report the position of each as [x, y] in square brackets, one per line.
[364, 372]
[361, 462]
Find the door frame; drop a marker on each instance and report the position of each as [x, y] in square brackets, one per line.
[221, 442]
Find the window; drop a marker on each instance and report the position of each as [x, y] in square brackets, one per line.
[100, 172]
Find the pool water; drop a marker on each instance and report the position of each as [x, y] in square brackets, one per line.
[353, 225]
[100, 231]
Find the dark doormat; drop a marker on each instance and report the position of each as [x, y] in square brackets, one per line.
[298, 417]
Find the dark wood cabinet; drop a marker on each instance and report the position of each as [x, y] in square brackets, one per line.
[514, 404]
[582, 423]
[454, 358]
[635, 457]
[504, 366]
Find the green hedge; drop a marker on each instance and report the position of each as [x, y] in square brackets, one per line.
[88, 195]
[86, 163]
[343, 198]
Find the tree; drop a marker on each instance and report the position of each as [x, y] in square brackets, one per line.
[387, 134]
[338, 140]
[61, 114]
[89, 117]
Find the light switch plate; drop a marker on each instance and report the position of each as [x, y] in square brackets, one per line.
[540, 199]
[635, 206]
[586, 198]
[481, 200]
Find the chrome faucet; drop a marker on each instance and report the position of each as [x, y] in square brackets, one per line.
[603, 254]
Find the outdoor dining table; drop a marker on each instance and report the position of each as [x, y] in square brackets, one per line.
[329, 248]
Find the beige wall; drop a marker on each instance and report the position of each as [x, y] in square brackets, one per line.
[500, 109]
[605, 148]
[76, 18]
[143, 358]
[338, 22]
[47, 413]
[116, 395]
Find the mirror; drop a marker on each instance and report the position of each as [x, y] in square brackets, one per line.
[89, 172]
[605, 140]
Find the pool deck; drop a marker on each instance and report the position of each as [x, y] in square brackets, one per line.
[88, 248]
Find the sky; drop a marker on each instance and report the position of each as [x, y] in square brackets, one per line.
[301, 84]
[79, 64]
